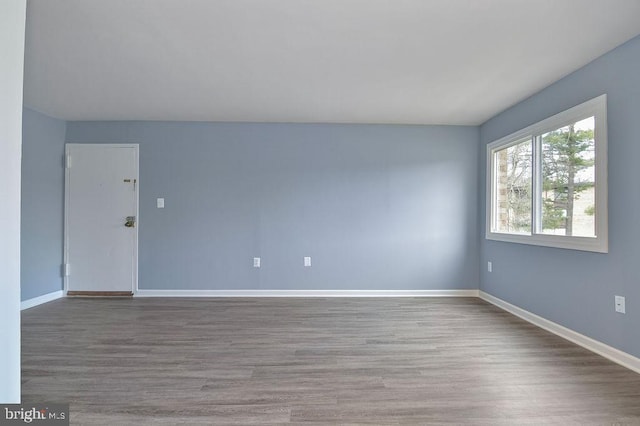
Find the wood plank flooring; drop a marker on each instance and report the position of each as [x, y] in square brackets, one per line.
[324, 361]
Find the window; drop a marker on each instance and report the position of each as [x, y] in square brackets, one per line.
[547, 184]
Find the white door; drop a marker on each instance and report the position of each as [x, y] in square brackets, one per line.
[101, 209]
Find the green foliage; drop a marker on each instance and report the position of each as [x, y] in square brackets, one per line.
[565, 153]
[552, 217]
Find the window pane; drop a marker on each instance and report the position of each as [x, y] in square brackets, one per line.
[568, 180]
[513, 188]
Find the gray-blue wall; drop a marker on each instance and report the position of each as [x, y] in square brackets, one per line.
[572, 288]
[375, 206]
[42, 219]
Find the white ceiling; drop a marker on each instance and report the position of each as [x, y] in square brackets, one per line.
[328, 61]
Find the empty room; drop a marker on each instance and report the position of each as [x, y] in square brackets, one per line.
[320, 211]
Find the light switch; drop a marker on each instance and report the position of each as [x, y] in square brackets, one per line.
[256, 262]
[160, 203]
[307, 261]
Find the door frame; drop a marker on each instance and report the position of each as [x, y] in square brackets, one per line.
[136, 148]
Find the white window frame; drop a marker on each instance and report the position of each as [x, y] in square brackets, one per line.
[597, 108]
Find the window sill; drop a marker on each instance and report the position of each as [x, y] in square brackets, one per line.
[597, 245]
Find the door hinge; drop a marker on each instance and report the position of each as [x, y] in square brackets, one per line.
[66, 270]
[67, 162]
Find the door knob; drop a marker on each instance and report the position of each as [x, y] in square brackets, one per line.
[130, 222]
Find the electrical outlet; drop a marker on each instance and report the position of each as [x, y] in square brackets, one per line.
[489, 266]
[620, 305]
[256, 262]
[307, 261]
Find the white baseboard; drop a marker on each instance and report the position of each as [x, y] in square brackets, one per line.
[30, 303]
[609, 352]
[306, 293]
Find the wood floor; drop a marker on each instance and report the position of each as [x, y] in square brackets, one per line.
[325, 361]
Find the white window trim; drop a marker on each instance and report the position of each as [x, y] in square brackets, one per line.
[596, 107]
